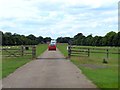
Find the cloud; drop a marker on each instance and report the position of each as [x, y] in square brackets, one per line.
[57, 18]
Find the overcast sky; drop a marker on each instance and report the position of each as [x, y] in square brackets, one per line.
[56, 18]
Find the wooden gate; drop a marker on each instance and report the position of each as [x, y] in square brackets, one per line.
[78, 51]
[17, 51]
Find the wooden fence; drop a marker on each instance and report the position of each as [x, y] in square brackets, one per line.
[84, 51]
[18, 51]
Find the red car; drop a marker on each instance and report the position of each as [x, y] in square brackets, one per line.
[52, 46]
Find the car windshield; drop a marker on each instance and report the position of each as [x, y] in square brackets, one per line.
[52, 44]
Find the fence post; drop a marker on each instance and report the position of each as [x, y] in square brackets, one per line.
[88, 52]
[33, 52]
[22, 50]
[107, 54]
[69, 51]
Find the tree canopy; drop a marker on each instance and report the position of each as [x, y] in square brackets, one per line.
[110, 39]
[16, 39]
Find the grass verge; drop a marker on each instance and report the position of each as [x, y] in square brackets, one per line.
[103, 75]
[63, 48]
[10, 64]
[40, 49]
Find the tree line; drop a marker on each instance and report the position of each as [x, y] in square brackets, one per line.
[17, 39]
[110, 39]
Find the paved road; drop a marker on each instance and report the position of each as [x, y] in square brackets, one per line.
[48, 73]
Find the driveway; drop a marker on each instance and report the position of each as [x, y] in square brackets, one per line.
[50, 70]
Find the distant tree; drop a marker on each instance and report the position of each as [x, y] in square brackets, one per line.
[1, 39]
[89, 40]
[63, 39]
[79, 39]
[47, 39]
[31, 37]
[24, 40]
[8, 39]
[17, 39]
[116, 39]
[60, 39]
[109, 38]
[97, 41]
[40, 39]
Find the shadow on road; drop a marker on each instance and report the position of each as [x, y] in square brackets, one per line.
[52, 58]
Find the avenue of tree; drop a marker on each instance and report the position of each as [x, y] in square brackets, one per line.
[110, 39]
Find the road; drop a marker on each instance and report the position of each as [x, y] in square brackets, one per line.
[50, 70]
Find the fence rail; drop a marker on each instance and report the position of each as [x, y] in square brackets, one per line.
[82, 51]
[17, 51]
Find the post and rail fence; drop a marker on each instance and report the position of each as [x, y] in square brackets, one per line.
[19, 51]
[84, 51]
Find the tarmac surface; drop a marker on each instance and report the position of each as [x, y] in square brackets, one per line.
[50, 70]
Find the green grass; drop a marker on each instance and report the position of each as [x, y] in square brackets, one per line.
[106, 77]
[10, 64]
[63, 48]
[40, 49]
[103, 75]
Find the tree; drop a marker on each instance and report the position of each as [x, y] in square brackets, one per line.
[89, 40]
[16, 39]
[109, 38]
[1, 39]
[79, 39]
[116, 39]
[8, 39]
[63, 39]
[97, 41]
[40, 39]
[47, 39]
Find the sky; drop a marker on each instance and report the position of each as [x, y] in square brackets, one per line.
[59, 18]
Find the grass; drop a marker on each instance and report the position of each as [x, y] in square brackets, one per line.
[63, 48]
[103, 75]
[40, 49]
[10, 64]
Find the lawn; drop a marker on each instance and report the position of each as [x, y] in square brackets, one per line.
[103, 75]
[10, 64]
[40, 49]
[63, 48]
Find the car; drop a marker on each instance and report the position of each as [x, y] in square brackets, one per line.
[52, 45]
